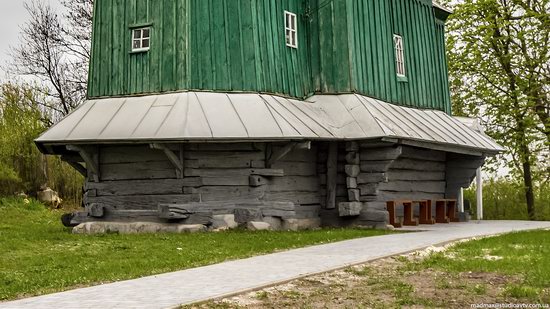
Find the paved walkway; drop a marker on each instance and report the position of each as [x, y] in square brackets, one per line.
[192, 285]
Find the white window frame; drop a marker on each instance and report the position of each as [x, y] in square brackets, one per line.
[291, 30]
[141, 39]
[399, 47]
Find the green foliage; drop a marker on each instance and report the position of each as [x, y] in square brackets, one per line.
[19, 125]
[498, 68]
[39, 255]
[504, 199]
[22, 166]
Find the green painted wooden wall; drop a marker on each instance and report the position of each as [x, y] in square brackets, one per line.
[238, 45]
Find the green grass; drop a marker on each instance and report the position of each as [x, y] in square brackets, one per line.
[39, 255]
[522, 255]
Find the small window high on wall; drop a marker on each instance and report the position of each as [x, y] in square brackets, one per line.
[141, 39]
[291, 30]
[399, 55]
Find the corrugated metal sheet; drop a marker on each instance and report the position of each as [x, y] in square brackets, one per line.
[204, 116]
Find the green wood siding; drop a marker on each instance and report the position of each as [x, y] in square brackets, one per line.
[239, 45]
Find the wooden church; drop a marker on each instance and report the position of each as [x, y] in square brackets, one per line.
[279, 114]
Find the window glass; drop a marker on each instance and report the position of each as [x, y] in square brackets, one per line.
[141, 40]
[291, 30]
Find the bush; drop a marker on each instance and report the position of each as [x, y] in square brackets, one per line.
[22, 166]
[504, 199]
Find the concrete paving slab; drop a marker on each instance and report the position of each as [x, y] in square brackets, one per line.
[229, 278]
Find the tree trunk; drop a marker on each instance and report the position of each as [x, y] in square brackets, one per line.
[528, 184]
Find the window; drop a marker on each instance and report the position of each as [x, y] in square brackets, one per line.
[399, 55]
[141, 39]
[291, 30]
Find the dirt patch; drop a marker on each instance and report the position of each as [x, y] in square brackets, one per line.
[387, 283]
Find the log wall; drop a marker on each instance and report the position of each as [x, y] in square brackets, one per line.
[347, 183]
[136, 179]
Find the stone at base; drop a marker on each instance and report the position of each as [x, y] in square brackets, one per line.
[275, 223]
[258, 226]
[350, 209]
[224, 222]
[301, 224]
[136, 228]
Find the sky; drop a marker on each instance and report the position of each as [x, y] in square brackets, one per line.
[12, 16]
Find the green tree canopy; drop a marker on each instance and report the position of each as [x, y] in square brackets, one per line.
[499, 66]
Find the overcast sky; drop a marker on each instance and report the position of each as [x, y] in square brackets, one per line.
[12, 16]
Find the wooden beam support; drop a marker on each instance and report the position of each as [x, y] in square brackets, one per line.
[332, 175]
[177, 161]
[77, 166]
[89, 155]
[280, 153]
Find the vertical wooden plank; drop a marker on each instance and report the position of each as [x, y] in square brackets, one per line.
[332, 175]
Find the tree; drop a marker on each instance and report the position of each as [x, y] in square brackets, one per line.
[20, 123]
[56, 51]
[499, 70]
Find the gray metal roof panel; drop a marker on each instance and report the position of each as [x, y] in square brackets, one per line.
[207, 116]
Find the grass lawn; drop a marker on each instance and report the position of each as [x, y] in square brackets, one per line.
[512, 268]
[39, 255]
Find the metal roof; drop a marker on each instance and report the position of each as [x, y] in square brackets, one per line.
[207, 116]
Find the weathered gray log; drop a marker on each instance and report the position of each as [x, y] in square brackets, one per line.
[138, 170]
[388, 196]
[352, 170]
[297, 168]
[414, 186]
[130, 154]
[234, 172]
[307, 211]
[369, 189]
[143, 187]
[352, 146]
[332, 173]
[375, 144]
[422, 154]
[351, 182]
[191, 216]
[376, 166]
[96, 210]
[142, 202]
[350, 209]
[257, 181]
[217, 156]
[381, 154]
[364, 178]
[418, 165]
[296, 197]
[381, 216]
[225, 181]
[354, 195]
[257, 164]
[176, 159]
[282, 210]
[353, 158]
[294, 183]
[222, 163]
[225, 193]
[379, 205]
[395, 174]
